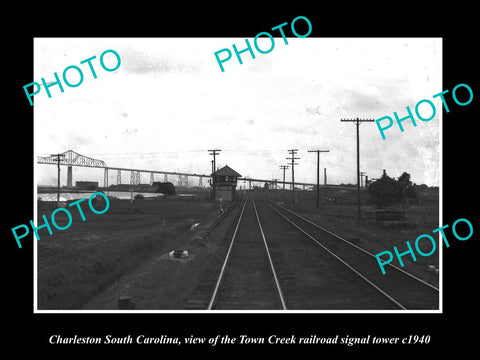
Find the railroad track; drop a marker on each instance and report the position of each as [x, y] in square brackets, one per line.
[247, 279]
[278, 260]
[244, 277]
[403, 290]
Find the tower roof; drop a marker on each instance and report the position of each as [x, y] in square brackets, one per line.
[227, 171]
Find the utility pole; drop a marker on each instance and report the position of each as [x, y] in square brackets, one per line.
[211, 182]
[58, 156]
[293, 152]
[318, 173]
[214, 152]
[283, 167]
[357, 121]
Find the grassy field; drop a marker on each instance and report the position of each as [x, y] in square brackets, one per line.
[77, 263]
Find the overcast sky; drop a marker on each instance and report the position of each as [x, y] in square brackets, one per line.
[168, 103]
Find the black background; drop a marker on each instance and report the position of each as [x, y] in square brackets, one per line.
[454, 329]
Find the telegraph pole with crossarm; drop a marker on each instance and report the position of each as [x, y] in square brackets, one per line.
[318, 173]
[58, 158]
[283, 167]
[214, 152]
[357, 121]
[293, 152]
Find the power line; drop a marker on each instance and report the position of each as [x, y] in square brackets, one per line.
[214, 152]
[283, 167]
[144, 153]
[293, 152]
[357, 121]
[159, 154]
[188, 151]
[58, 158]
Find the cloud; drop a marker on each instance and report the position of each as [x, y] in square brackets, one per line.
[222, 118]
[140, 62]
[172, 92]
[361, 102]
[290, 128]
[130, 131]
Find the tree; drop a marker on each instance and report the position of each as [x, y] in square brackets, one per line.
[407, 190]
[166, 188]
[385, 191]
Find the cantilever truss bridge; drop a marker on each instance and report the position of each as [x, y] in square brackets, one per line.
[71, 158]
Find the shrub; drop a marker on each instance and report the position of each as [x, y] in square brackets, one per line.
[408, 190]
[166, 188]
[385, 191]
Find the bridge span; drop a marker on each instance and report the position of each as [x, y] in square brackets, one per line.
[71, 158]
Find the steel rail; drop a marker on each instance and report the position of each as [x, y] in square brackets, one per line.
[277, 283]
[222, 271]
[356, 246]
[341, 260]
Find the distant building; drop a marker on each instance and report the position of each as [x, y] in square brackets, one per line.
[225, 183]
[86, 185]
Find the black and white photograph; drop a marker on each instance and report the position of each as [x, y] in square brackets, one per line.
[264, 185]
[208, 181]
